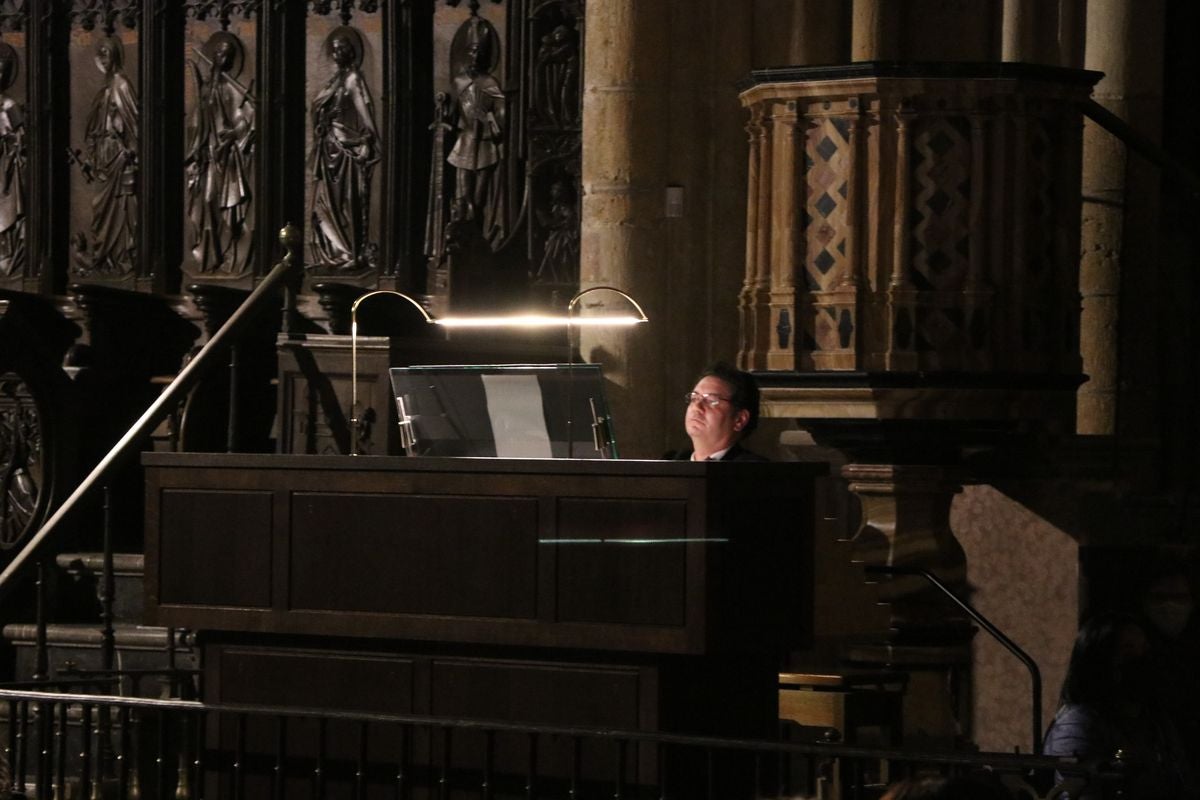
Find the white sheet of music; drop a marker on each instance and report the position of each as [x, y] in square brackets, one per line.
[514, 405]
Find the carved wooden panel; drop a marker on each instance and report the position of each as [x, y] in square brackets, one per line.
[14, 151]
[105, 142]
[502, 221]
[22, 476]
[220, 139]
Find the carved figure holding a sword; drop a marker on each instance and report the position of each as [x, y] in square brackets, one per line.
[219, 158]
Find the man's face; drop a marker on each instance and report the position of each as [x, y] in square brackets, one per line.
[719, 425]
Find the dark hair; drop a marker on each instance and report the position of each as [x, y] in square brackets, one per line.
[1091, 675]
[743, 389]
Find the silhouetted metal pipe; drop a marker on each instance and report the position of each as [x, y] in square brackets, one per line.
[1035, 674]
[231, 434]
[187, 376]
[108, 639]
[1172, 168]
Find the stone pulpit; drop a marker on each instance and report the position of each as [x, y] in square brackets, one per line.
[911, 292]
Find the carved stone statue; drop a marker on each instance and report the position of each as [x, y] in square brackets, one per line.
[556, 77]
[109, 161]
[346, 148]
[561, 223]
[478, 151]
[12, 169]
[218, 163]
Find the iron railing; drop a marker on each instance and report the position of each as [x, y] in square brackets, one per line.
[64, 745]
[278, 277]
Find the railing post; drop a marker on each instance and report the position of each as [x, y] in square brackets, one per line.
[231, 435]
[41, 668]
[107, 589]
[166, 401]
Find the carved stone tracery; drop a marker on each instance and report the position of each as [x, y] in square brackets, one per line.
[14, 15]
[105, 14]
[222, 10]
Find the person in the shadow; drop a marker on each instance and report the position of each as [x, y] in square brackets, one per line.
[1107, 705]
[1165, 603]
[721, 410]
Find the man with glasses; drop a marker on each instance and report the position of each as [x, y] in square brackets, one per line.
[721, 409]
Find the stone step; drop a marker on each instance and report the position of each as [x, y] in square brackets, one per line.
[128, 568]
[72, 647]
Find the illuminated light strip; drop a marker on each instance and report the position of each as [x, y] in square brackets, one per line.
[633, 541]
[533, 321]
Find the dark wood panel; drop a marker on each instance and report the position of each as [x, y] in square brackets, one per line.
[586, 695]
[345, 681]
[454, 556]
[538, 693]
[622, 561]
[717, 557]
[215, 548]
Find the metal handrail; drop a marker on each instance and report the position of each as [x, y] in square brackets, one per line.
[1172, 168]
[1035, 674]
[187, 376]
[1009, 761]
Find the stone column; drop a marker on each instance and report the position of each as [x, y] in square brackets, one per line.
[625, 151]
[906, 523]
[1119, 265]
[874, 30]
[655, 73]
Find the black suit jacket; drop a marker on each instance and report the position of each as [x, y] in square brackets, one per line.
[735, 453]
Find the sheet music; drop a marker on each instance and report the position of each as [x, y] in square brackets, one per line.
[514, 404]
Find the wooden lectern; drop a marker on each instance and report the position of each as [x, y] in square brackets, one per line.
[636, 595]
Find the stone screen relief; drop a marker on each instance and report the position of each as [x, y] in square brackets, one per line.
[346, 147]
[20, 459]
[467, 215]
[12, 168]
[503, 210]
[105, 157]
[554, 146]
[219, 159]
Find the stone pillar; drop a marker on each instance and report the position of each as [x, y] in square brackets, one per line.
[654, 77]
[1120, 265]
[818, 32]
[874, 30]
[906, 523]
[624, 157]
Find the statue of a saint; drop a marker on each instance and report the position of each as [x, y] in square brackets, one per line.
[12, 169]
[556, 77]
[218, 163]
[109, 160]
[346, 148]
[561, 252]
[478, 151]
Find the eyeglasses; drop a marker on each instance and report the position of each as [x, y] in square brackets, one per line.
[710, 400]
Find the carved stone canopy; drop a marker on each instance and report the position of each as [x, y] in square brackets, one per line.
[912, 240]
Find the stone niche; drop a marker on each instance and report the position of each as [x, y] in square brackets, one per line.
[912, 243]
